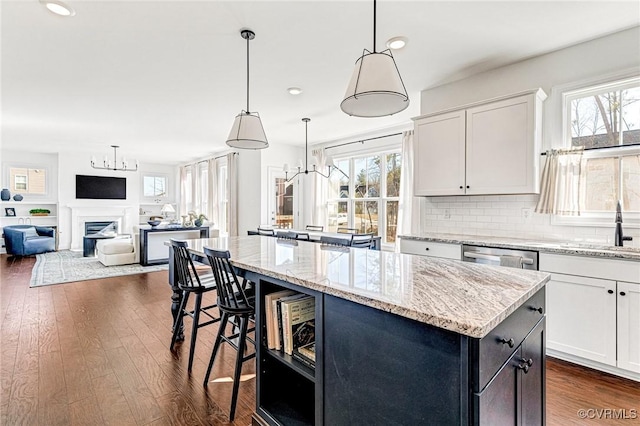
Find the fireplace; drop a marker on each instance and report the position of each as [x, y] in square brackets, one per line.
[122, 216]
[95, 227]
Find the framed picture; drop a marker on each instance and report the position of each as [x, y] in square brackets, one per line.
[9, 211]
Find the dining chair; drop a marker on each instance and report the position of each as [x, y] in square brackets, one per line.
[317, 228]
[189, 281]
[302, 236]
[237, 306]
[362, 240]
[334, 241]
[287, 235]
[347, 230]
[266, 231]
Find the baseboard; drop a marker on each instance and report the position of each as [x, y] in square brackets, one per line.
[595, 365]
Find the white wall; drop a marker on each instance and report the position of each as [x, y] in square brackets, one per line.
[249, 190]
[49, 162]
[502, 215]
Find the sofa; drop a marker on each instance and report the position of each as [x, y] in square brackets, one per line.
[25, 240]
[118, 251]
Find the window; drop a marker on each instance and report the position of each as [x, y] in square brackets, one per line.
[605, 120]
[364, 194]
[28, 181]
[154, 186]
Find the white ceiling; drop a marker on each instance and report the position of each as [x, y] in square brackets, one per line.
[164, 79]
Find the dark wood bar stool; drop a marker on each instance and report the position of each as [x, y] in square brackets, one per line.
[266, 231]
[189, 281]
[236, 307]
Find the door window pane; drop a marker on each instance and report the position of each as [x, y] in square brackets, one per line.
[366, 217]
[338, 182]
[393, 175]
[337, 215]
[391, 220]
[367, 177]
[284, 203]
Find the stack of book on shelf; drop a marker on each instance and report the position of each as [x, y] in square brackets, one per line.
[290, 320]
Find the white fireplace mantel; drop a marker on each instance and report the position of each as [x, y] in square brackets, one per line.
[82, 214]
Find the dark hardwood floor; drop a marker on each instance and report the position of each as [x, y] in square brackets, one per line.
[96, 353]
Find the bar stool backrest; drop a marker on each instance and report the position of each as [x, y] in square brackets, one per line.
[266, 231]
[362, 240]
[231, 296]
[185, 269]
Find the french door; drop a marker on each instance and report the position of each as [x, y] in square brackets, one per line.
[283, 200]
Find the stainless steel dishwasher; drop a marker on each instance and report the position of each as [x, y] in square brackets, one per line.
[522, 259]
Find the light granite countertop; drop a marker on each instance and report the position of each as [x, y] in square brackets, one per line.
[462, 297]
[543, 246]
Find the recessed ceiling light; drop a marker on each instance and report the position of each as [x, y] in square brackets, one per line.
[396, 43]
[58, 7]
[294, 90]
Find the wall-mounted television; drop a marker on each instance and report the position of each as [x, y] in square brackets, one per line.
[101, 187]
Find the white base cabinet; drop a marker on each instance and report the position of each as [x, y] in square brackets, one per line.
[486, 148]
[629, 326]
[581, 317]
[431, 249]
[594, 320]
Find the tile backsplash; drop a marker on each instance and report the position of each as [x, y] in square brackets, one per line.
[509, 216]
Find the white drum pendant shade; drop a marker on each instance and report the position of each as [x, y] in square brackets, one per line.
[247, 132]
[376, 88]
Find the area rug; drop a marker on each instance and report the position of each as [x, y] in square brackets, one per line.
[67, 266]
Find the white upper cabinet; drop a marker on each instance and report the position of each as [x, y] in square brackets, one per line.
[485, 148]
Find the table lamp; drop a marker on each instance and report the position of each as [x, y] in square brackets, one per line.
[166, 209]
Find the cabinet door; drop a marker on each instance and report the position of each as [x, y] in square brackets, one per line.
[501, 147]
[581, 317]
[497, 404]
[532, 395]
[439, 164]
[629, 326]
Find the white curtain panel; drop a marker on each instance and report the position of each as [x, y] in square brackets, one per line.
[232, 191]
[212, 192]
[409, 206]
[319, 214]
[560, 183]
[195, 188]
[182, 209]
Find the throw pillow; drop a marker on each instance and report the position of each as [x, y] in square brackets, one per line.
[30, 232]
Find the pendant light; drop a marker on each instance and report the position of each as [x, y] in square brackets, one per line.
[306, 170]
[376, 88]
[247, 131]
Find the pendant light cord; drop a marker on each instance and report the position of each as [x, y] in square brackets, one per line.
[248, 75]
[306, 147]
[374, 26]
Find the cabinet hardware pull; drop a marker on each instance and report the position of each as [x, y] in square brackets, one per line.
[467, 186]
[610, 291]
[539, 309]
[460, 186]
[529, 361]
[524, 367]
[622, 293]
[509, 342]
[426, 248]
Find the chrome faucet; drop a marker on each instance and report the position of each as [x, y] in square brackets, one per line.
[620, 238]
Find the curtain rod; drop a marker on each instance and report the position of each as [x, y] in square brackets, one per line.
[215, 158]
[602, 147]
[364, 140]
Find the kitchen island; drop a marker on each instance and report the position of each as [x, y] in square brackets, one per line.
[400, 339]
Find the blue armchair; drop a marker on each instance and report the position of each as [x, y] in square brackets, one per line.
[23, 240]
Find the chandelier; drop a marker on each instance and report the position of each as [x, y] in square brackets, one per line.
[306, 171]
[107, 165]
